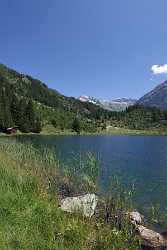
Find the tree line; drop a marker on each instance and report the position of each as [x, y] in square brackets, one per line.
[17, 112]
[140, 117]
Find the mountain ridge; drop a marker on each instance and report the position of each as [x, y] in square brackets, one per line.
[119, 104]
[157, 97]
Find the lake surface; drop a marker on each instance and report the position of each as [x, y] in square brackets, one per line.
[141, 160]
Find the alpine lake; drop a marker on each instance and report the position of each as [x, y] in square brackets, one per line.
[139, 161]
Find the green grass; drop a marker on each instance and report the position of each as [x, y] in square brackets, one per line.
[125, 131]
[30, 217]
[50, 130]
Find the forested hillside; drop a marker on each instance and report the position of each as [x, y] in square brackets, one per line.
[140, 117]
[29, 104]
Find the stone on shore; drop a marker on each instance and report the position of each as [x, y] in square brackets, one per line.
[85, 204]
[151, 238]
[136, 218]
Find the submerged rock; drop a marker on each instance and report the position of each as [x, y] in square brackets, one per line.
[85, 204]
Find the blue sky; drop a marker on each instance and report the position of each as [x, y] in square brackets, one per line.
[102, 48]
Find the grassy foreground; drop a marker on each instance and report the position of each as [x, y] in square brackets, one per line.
[30, 217]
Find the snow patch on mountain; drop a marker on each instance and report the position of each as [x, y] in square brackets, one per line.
[118, 104]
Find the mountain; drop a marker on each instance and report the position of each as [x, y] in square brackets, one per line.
[156, 97]
[119, 104]
[85, 98]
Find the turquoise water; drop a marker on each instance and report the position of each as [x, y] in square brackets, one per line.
[141, 160]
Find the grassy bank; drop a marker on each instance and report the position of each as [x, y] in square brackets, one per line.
[125, 131]
[110, 130]
[49, 130]
[30, 217]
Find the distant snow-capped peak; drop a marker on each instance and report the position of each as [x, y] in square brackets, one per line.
[118, 104]
[85, 98]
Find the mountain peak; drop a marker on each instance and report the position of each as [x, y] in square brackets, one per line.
[118, 104]
[156, 97]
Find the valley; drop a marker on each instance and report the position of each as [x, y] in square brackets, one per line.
[29, 105]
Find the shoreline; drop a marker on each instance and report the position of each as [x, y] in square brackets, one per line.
[115, 131]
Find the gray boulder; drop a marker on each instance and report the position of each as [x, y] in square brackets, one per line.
[85, 204]
[151, 239]
[136, 218]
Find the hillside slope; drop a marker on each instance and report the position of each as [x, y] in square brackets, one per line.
[21, 95]
[26, 86]
[155, 98]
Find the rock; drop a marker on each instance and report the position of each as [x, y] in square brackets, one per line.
[26, 80]
[136, 218]
[86, 204]
[151, 238]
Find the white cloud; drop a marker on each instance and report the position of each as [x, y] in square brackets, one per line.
[159, 69]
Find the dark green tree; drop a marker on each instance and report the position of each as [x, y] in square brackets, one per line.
[16, 108]
[5, 112]
[76, 126]
[30, 115]
[21, 118]
[37, 126]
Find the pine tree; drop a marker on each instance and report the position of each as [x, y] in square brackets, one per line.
[30, 115]
[21, 118]
[76, 125]
[37, 126]
[16, 110]
[5, 112]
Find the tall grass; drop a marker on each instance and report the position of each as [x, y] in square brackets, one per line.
[30, 217]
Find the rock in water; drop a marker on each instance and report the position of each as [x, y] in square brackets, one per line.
[85, 204]
[136, 218]
[151, 238]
